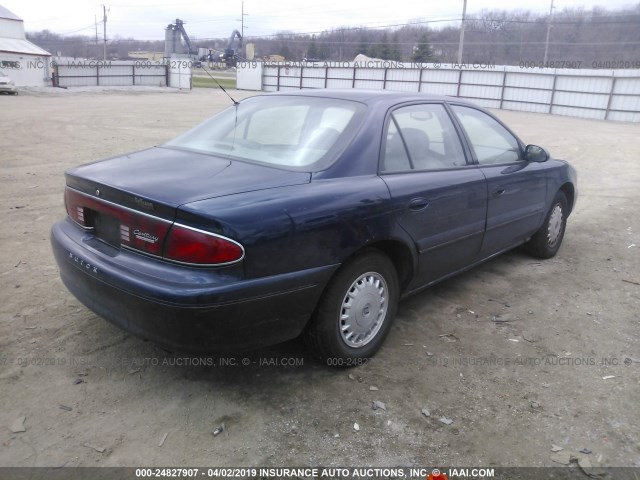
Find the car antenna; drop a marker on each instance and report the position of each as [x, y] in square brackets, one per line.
[221, 87]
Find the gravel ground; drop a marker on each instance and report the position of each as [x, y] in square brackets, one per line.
[560, 367]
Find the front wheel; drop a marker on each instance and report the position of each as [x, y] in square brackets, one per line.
[546, 242]
[356, 310]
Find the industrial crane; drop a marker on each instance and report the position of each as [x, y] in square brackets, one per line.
[179, 28]
[229, 56]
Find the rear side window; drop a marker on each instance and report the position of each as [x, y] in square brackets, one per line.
[491, 142]
[421, 137]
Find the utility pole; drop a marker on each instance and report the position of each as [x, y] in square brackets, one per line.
[104, 24]
[241, 20]
[464, 21]
[95, 21]
[546, 43]
[242, 27]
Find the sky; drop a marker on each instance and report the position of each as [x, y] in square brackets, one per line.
[147, 19]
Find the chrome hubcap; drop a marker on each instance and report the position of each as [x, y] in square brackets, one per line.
[555, 225]
[363, 310]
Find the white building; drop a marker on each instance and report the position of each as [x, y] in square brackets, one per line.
[26, 63]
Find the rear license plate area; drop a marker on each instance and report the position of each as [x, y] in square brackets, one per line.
[107, 228]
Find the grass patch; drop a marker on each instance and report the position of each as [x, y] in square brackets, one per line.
[207, 82]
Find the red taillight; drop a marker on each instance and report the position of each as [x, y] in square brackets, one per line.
[142, 233]
[117, 225]
[121, 226]
[75, 207]
[188, 245]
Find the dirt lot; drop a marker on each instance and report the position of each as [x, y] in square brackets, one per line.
[561, 367]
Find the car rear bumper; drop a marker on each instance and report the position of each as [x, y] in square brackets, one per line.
[186, 309]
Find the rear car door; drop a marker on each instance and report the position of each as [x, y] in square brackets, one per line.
[516, 188]
[439, 199]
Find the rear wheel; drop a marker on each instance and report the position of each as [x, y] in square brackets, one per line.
[356, 310]
[546, 242]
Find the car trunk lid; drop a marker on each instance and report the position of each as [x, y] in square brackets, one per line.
[131, 201]
[171, 178]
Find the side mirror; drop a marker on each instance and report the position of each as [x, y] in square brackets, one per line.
[534, 153]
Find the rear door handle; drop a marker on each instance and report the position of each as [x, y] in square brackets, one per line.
[418, 204]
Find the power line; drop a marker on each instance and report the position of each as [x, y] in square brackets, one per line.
[486, 20]
[506, 42]
[290, 37]
[604, 20]
[346, 29]
[78, 30]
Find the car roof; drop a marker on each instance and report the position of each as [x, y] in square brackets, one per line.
[370, 96]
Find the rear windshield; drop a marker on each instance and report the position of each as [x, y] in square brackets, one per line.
[292, 132]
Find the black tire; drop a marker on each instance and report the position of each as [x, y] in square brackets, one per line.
[372, 277]
[546, 242]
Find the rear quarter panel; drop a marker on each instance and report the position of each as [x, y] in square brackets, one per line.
[303, 226]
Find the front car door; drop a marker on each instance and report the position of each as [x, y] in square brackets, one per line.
[516, 188]
[439, 198]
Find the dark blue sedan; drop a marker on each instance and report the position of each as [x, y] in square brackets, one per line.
[308, 213]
